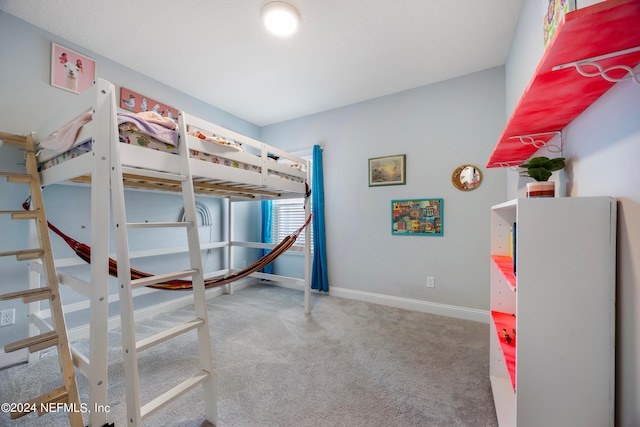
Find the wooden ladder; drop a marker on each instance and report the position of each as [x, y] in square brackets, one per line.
[136, 411]
[66, 397]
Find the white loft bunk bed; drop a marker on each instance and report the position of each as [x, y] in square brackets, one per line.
[217, 167]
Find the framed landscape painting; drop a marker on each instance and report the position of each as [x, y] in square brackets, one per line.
[417, 217]
[390, 170]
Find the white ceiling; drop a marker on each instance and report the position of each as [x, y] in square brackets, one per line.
[345, 51]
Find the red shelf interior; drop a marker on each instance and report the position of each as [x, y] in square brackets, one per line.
[554, 98]
[505, 265]
[507, 321]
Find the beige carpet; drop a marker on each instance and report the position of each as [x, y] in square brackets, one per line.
[349, 363]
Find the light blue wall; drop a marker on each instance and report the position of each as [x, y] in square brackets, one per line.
[438, 127]
[27, 100]
[602, 147]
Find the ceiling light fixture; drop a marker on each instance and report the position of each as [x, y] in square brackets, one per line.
[280, 18]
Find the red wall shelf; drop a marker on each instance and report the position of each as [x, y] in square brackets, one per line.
[508, 322]
[555, 97]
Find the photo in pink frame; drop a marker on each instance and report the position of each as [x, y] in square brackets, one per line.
[70, 70]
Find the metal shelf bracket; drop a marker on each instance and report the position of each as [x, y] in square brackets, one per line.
[605, 73]
[513, 164]
[530, 139]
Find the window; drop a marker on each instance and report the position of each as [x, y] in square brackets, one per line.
[289, 215]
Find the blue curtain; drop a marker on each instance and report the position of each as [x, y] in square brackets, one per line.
[319, 279]
[265, 231]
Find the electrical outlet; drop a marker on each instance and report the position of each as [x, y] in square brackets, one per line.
[7, 317]
[431, 282]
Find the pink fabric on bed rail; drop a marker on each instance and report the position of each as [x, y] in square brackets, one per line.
[64, 138]
[155, 126]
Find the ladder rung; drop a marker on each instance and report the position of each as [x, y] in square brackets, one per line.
[17, 177]
[55, 396]
[161, 278]
[80, 286]
[21, 214]
[80, 361]
[29, 295]
[153, 174]
[157, 224]
[13, 139]
[24, 254]
[41, 403]
[50, 336]
[37, 343]
[168, 334]
[173, 394]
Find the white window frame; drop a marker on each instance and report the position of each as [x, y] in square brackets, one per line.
[288, 215]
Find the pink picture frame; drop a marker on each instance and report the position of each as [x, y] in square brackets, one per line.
[71, 70]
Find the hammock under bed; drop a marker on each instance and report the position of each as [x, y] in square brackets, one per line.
[83, 251]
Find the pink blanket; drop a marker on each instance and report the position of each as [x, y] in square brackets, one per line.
[64, 138]
[152, 124]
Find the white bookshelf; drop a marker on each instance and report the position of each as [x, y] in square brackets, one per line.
[558, 369]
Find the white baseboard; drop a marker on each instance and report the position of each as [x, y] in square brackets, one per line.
[413, 304]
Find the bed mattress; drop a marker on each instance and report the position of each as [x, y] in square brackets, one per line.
[130, 133]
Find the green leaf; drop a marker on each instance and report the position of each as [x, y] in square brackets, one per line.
[556, 164]
[539, 162]
[541, 168]
[540, 174]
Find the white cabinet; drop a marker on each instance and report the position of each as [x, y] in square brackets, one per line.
[558, 310]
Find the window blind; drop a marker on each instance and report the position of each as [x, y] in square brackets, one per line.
[288, 216]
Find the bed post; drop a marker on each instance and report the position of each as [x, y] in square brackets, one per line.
[230, 239]
[307, 248]
[104, 112]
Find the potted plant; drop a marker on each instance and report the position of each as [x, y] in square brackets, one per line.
[540, 169]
